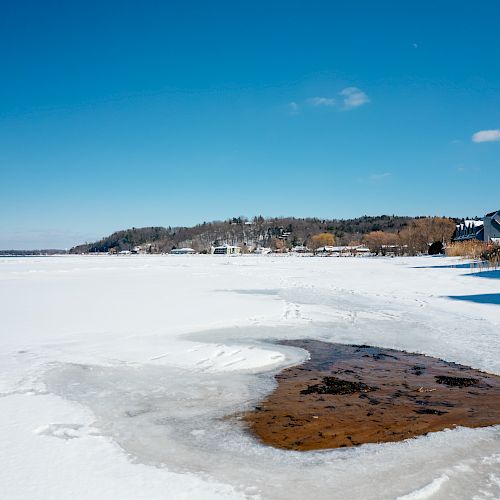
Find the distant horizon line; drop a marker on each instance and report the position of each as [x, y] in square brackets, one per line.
[249, 218]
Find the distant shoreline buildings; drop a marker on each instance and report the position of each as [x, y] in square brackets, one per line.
[379, 235]
[487, 230]
[226, 250]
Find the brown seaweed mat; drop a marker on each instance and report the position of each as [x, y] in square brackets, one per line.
[347, 395]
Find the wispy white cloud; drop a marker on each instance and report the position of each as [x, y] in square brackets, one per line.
[321, 101]
[353, 97]
[467, 168]
[414, 45]
[486, 136]
[293, 108]
[379, 177]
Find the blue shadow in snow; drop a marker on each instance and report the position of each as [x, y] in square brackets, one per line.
[449, 266]
[494, 275]
[483, 298]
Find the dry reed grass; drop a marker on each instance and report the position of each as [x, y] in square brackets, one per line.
[487, 254]
[471, 249]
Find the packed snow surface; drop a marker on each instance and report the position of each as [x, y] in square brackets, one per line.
[123, 376]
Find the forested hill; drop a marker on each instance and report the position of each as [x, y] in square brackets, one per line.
[259, 231]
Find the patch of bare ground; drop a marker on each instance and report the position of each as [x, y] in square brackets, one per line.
[347, 395]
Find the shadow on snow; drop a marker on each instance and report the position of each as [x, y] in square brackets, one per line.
[495, 275]
[450, 266]
[483, 298]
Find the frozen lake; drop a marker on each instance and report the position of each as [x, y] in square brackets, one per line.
[122, 377]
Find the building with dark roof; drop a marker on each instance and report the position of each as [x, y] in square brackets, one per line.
[492, 227]
[469, 230]
[484, 230]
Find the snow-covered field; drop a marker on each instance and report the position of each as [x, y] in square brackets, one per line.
[122, 377]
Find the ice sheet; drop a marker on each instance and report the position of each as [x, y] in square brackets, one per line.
[123, 377]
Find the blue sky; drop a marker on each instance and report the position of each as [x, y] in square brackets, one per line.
[121, 114]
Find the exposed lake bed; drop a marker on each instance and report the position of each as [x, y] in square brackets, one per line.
[347, 395]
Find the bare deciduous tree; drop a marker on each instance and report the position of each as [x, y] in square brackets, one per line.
[321, 240]
[379, 241]
[421, 233]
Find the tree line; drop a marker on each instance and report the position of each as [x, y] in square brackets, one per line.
[280, 233]
[423, 235]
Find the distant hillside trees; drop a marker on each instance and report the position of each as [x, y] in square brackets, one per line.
[124, 240]
[277, 244]
[280, 233]
[379, 242]
[321, 240]
[421, 233]
[417, 237]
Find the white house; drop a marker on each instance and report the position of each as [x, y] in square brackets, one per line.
[327, 249]
[262, 251]
[182, 251]
[300, 249]
[226, 250]
[361, 250]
